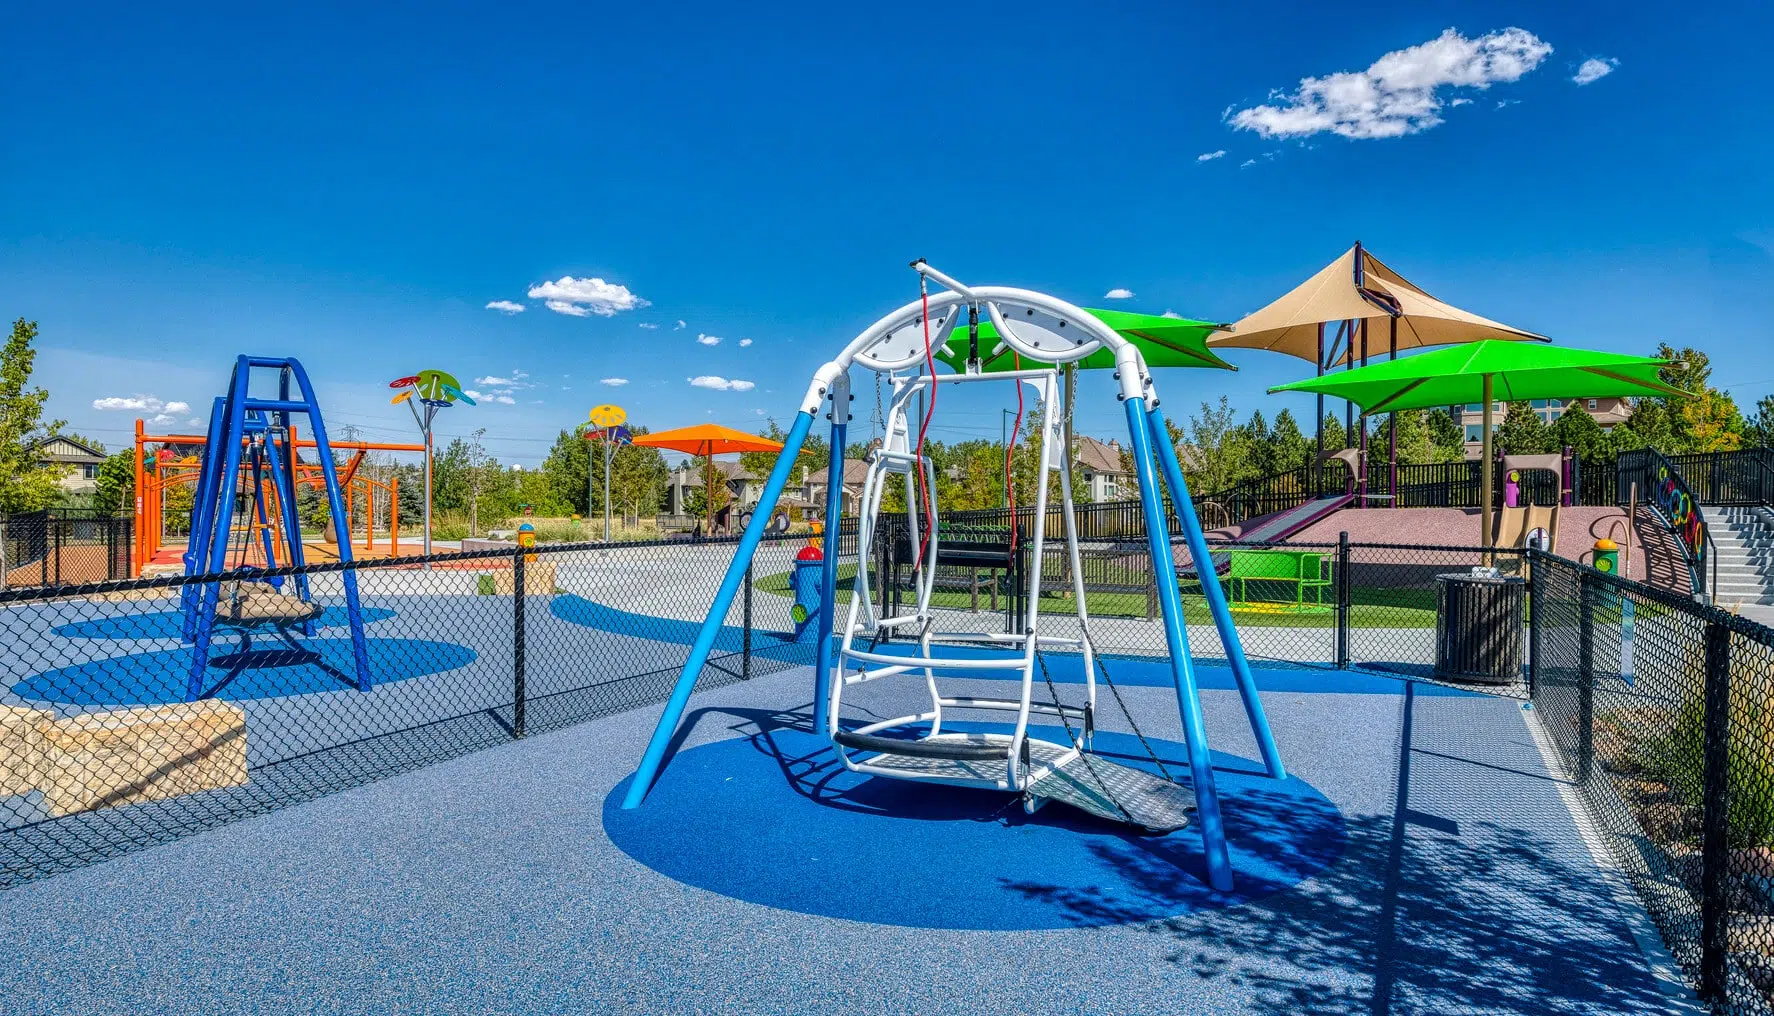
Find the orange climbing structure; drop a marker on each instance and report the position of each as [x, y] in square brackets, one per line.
[177, 462]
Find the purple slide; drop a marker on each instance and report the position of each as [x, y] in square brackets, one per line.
[1273, 528]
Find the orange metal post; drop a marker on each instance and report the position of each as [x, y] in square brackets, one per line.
[141, 519]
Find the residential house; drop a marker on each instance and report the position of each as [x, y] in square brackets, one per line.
[743, 487]
[1608, 413]
[814, 483]
[80, 462]
[1098, 473]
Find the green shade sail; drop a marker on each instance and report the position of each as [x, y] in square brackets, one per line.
[1164, 341]
[1517, 372]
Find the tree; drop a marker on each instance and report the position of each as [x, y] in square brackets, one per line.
[567, 470]
[1214, 461]
[1523, 432]
[1578, 431]
[477, 465]
[1647, 426]
[638, 477]
[1292, 450]
[1445, 437]
[116, 489]
[25, 484]
[1334, 436]
[1711, 423]
[1759, 430]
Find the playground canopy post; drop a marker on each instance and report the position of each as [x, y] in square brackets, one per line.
[604, 425]
[434, 390]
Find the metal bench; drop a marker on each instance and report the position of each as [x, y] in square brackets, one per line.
[1307, 572]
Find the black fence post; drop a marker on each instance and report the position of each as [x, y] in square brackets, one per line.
[1343, 599]
[1715, 857]
[517, 646]
[745, 644]
[1585, 677]
[1536, 585]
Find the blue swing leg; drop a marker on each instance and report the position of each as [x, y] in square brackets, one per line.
[717, 614]
[1207, 798]
[1216, 597]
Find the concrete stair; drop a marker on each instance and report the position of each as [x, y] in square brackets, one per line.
[1743, 542]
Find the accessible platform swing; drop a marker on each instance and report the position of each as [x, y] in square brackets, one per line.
[249, 468]
[1047, 333]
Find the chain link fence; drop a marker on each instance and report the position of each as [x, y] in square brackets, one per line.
[114, 737]
[1660, 709]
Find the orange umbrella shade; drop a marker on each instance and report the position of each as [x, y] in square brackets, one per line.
[708, 439]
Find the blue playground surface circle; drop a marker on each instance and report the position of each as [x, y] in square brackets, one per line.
[773, 819]
[167, 624]
[270, 669]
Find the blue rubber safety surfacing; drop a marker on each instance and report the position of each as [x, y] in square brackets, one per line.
[773, 819]
[168, 624]
[270, 669]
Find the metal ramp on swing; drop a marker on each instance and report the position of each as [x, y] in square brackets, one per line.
[1090, 783]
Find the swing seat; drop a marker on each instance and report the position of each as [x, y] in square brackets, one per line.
[258, 606]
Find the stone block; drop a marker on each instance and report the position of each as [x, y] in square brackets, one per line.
[538, 579]
[102, 760]
[21, 749]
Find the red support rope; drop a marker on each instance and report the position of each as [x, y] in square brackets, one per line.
[924, 426]
[1010, 452]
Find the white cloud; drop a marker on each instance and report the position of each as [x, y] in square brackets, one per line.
[649, 325]
[164, 412]
[1252, 162]
[476, 396]
[1118, 293]
[680, 326]
[721, 384]
[503, 400]
[1179, 317]
[1460, 102]
[1210, 156]
[160, 419]
[1594, 69]
[506, 307]
[708, 340]
[760, 412]
[744, 343]
[585, 297]
[614, 382]
[1398, 94]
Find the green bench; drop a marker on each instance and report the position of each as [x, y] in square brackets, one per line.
[1306, 572]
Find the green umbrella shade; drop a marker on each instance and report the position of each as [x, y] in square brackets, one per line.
[1518, 371]
[1163, 341]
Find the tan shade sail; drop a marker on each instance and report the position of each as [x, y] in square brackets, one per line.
[1359, 286]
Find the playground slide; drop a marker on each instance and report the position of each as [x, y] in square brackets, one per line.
[1277, 526]
[1514, 525]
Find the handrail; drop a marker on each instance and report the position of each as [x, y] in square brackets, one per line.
[1667, 492]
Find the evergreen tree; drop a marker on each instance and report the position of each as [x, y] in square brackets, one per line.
[1647, 426]
[567, 469]
[1578, 431]
[1445, 437]
[1522, 432]
[1292, 448]
[1759, 429]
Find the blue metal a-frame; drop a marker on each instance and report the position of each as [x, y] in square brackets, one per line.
[253, 433]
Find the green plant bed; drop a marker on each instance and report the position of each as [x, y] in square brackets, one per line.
[1369, 607]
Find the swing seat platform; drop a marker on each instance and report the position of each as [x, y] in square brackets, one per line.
[1094, 785]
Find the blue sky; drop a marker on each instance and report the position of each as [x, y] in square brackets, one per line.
[353, 186]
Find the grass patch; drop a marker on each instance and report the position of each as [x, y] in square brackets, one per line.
[1370, 607]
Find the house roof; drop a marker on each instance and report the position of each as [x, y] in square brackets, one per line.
[65, 449]
[1098, 457]
[855, 473]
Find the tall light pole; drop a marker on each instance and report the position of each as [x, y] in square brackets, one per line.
[434, 390]
[604, 424]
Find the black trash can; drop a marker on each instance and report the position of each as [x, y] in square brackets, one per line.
[1479, 621]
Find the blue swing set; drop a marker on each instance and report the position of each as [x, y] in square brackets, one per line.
[249, 437]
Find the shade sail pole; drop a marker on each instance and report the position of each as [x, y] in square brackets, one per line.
[1320, 417]
[1484, 473]
[1392, 426]
[1361, 454]
[654, 759]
